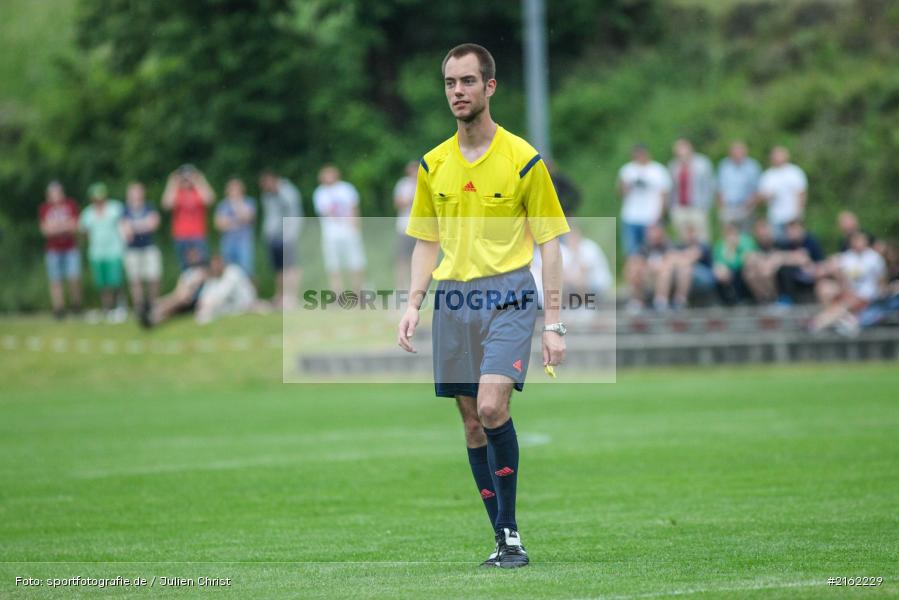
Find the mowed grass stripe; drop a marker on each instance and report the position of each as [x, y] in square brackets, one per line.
[718, 483]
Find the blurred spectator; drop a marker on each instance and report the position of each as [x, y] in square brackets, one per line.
[859, 281]
[566, 189]
[693, 190]
[58, 217]
[647, 266]
[585, 266]
[688, 268]
[761, 265]
[226, 291]
[187, 194]
[337, 203]
[738, 180]
[235, 218]
[848, 225]
[281, 225]
[800, 255]
[403, 195]
[100, 220]
[785, 188]
[876, 312]
[644, 185]
[143, 261]
[186, 293]
[729, 255]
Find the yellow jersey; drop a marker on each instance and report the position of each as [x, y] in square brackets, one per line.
[486, 214]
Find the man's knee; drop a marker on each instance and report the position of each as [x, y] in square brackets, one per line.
[492, 413]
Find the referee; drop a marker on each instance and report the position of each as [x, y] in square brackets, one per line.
[484, 197]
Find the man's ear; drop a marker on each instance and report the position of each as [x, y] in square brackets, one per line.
[491, 87]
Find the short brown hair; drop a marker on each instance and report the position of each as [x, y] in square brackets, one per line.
[485, 59]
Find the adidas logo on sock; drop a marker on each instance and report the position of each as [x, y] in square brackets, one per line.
[486, 494]
[504, 471]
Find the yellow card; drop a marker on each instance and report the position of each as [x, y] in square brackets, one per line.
[550, 371]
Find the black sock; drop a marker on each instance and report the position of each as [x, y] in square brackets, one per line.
[480, 468]
[502, 453]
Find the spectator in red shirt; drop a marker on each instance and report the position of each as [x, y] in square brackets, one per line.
[58, 218]
[187, 194]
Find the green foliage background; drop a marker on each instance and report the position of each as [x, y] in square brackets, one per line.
[120, 89]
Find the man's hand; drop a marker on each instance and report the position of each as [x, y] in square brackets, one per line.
[407, 329]
[553, 348]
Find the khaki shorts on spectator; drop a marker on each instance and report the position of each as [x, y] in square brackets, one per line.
[143, 264]
[685, 217]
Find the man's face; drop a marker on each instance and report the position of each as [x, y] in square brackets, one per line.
[465, 89]
[234, 188]
[795, 232]
[328, 176]
[640, 155]
[269, 183]
[847, 222]
[763, 232]
[683, 150]
[55, 193]
[135, 194]
[779, 157]
[738, 152]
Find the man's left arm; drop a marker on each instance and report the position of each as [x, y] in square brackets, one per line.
[553, 343]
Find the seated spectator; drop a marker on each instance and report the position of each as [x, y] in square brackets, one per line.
[143, 261]
[801, 256]
[730, 253]
[848, 224]
[227, 291]
[105, 250]
[644, 268]
[859, 281]
[761, 265]
[235, 217]
[585, 266]
[186, 293]
[876, 312]
[689, 268]
[58, 217]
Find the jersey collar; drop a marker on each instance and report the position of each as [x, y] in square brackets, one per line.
[499, 131]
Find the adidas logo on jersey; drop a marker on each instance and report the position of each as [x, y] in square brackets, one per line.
[469, 187]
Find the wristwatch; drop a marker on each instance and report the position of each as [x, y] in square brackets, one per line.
[557, 327]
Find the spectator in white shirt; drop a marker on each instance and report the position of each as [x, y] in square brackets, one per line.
[644, 185]
[585, 266]
[859, 277]
[337, 204]
[784, 187]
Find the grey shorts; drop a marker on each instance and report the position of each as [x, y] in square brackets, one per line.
[483, 326]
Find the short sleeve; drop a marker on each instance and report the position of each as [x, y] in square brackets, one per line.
[664, 179]
[318, 201]
[801, 179]
[541, 203]
[765, 184]
[423, 218]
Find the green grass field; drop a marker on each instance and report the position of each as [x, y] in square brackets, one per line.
[738, 483]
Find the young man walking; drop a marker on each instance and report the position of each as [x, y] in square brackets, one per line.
[484, 197]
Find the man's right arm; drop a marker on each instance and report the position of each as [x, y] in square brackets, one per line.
[424, 259]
